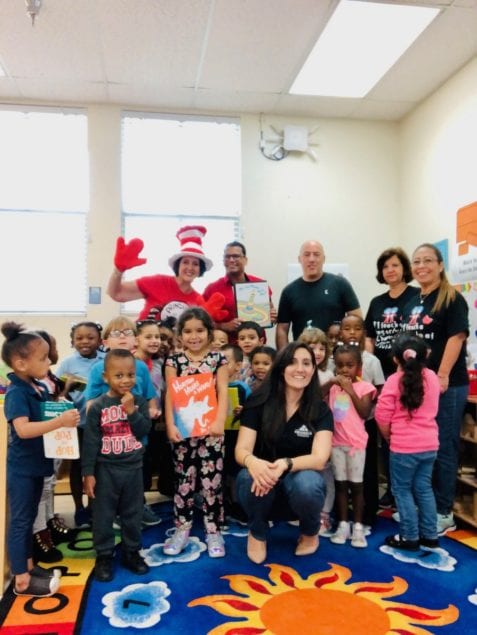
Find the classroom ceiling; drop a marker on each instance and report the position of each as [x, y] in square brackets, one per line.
[217, 56]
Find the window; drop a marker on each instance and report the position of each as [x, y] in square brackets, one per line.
[43, 208]
[179, 170]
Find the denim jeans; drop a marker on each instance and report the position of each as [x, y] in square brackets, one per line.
[449, 420]
[411, 484]
[303, 492]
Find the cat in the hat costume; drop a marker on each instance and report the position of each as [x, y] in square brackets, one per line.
[164, 296]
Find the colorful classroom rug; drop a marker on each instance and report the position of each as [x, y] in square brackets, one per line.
[338, 590]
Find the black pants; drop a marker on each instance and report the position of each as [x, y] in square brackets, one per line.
[119, 492]
[370, 477]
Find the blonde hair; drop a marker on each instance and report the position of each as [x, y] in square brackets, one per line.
[121, 322]
[447, 292]
[311, 336]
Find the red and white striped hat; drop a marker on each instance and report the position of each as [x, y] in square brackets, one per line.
[190, 239]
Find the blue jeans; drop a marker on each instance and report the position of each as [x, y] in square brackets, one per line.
[449, 420]
[411, 484]
[303, 492]
[24, 493]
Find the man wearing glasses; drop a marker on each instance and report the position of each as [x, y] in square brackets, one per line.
[235, 261]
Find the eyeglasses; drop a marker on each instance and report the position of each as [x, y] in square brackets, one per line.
[118, 333]
[232, 256]
[424, 261]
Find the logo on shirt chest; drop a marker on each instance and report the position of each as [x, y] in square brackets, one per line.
[303, 432]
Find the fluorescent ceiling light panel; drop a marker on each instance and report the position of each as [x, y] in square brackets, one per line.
[361, 41]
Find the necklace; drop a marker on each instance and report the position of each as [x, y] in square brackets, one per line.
[422, 297]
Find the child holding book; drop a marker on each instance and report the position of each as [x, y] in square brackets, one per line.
[198, 460]
[238, 392]
[350, 403]
[26, 353]
[406, 415]
[74, 370]
[116, 423]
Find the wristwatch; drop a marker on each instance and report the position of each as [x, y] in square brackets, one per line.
[289, 463]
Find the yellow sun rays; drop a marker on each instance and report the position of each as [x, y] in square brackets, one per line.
[321, 603]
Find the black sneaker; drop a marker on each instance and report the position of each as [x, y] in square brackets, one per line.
[386, 501]
[43, 548]
[59, 531]
[134, 562]
[431, 543]
[103, 568]
[401, 543]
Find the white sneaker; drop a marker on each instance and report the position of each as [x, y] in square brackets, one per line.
[215, 545]
[357, 537]
[445, 523]
[341, 535]
[176, 543]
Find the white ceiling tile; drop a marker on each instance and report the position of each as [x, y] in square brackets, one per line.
[209, 55]
[259, 46]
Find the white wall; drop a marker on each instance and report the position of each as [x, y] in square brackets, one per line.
[348, 199]
[438, 160]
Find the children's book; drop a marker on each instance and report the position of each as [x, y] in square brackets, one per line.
[233, 402]
[252, 301]
[194, 403]
[74, 382]
[63, 442]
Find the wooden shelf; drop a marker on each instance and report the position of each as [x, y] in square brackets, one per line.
[471, 481]
[466, 518]
[469, 439]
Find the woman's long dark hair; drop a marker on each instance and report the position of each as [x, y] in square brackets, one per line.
[272, 396]
[411, 353]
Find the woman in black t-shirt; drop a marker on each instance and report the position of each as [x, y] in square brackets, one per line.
[383, 320]
[283, 443]
[383, 323]
[439, 314]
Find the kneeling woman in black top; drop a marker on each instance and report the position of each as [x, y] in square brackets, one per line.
[283, 443]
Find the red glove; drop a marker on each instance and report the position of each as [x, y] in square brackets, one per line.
[127, 254]
[214, 305]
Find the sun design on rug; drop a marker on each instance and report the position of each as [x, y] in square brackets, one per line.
[321, 603]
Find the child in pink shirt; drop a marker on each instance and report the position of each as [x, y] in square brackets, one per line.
[406, 415]
[350, 402]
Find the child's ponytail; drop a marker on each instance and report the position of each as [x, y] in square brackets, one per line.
[411, 353]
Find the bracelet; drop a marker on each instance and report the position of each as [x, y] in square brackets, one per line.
[245, 459]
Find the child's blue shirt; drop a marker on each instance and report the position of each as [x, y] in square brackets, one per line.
[81, 367]
[26, 456]
[96, 385]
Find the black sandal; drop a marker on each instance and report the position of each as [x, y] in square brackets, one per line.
[40, 587]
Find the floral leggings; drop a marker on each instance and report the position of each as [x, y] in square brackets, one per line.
[199, 459]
